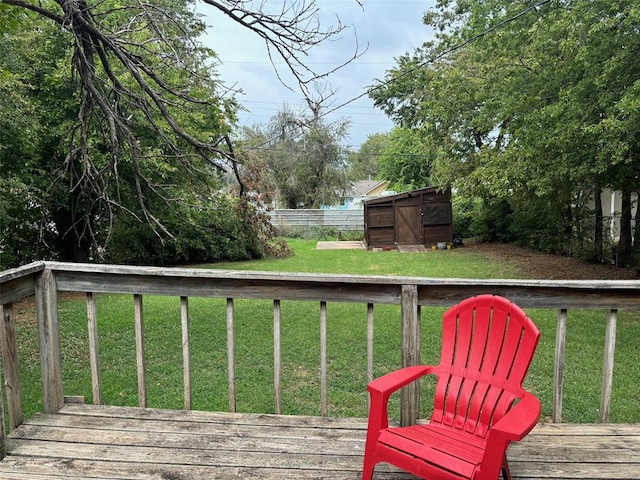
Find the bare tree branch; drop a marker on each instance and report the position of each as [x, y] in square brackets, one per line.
[290, 33]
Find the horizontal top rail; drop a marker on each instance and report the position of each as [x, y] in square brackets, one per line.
[13, 273]
[78, 277]
[18, 283]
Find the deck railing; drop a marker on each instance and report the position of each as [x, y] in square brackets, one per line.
[46, 280]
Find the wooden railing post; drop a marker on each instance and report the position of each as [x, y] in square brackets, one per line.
[49, 341]
[10, 362]
[410, 395]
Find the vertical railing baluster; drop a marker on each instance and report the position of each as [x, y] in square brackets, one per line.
[186, 353]
[369, 342]
[231, 362]
[140, 361]
[558, 365]
[369, 348]
[607, 371]
[277, 359]
[94, 352]
[410, 395]
[324, 409]
[10, 362]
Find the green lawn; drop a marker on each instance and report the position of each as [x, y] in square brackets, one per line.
[300, 343]
[458, 263]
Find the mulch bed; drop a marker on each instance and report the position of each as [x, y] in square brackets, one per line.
[537, 265]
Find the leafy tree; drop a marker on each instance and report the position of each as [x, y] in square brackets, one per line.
[364, 164]
[23, 134]
[9, 19]
[128, 111]
[407, 161]
[75, 187]
[527, 104]
[303, 157]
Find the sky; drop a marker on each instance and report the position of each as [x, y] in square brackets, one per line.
[386, 28]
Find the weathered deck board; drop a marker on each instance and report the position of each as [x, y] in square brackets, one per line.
[96, 442]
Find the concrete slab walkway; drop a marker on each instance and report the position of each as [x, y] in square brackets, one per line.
[340, 245]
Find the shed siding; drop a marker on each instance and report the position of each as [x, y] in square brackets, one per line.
[381, 238]
[380, 216]
[437, 233]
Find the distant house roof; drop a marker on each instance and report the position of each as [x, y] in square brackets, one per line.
[368, 188]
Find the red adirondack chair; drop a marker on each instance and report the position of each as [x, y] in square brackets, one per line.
[487, 347]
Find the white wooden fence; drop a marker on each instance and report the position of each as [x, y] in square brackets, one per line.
[339, 219]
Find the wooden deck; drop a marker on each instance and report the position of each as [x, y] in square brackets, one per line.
[93, 442]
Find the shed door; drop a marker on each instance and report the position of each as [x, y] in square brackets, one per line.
[408, 225]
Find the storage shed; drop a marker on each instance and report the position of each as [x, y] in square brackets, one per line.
[419, 217]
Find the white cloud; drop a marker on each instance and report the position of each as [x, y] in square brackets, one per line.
[390, 28]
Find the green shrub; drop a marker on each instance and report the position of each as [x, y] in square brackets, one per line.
[320, 232]
[465, 212]
[223, 229]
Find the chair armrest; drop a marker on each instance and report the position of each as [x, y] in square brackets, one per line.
[381, 389]
[520, 420]
[393, 381]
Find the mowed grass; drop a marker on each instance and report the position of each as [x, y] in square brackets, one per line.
[300, 344]
[457, 263]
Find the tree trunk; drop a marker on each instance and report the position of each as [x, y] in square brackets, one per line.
[71, 244]
[292, 203]
[625, 244]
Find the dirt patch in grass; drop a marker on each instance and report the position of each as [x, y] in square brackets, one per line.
[537, 265]
[24, 311]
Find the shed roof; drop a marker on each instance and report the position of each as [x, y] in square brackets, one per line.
[400, 196]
